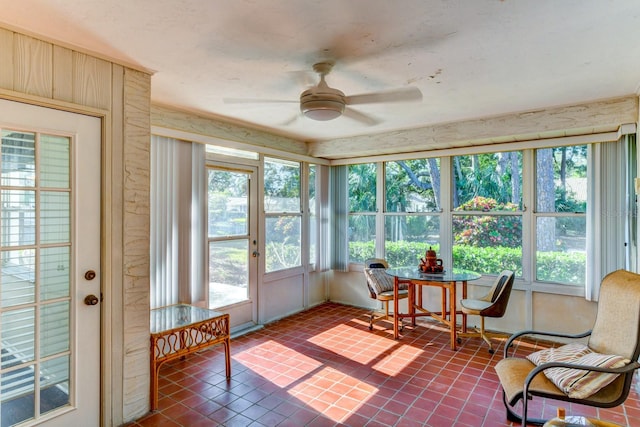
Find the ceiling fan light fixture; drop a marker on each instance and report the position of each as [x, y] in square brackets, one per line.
[322, 109]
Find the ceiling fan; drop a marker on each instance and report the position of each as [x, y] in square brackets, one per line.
[322, 102]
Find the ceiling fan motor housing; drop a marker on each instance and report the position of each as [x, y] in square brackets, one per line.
[322, 103]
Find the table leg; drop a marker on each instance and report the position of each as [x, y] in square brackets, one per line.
[452, 310]
[411, 300]
[396, 285]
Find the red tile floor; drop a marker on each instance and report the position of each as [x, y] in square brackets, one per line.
[323, 367]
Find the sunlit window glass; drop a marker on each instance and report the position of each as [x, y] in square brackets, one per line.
[487, 237]
[283, 214]
[362, 208]
[561, 205]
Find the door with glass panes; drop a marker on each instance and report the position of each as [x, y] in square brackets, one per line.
[232, 241]
[50, 277]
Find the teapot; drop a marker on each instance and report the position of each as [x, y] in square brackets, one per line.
[431, 263]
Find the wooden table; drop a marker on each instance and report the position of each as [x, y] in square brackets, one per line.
[447, 281]
[179, 330]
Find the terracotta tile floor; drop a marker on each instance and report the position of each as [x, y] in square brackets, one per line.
[323, 367]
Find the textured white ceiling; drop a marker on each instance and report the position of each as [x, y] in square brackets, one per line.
[470, 59]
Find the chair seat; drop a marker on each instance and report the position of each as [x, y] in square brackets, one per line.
[388, 295]
[474, 306]
[512, 372]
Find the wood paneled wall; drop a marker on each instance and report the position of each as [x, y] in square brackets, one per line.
[43, 73]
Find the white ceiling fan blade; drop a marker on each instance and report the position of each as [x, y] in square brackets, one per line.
[360, 117]
[257, 101]
[400, 95]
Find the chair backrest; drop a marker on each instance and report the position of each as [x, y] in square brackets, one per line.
[376, 263]
[499, 295]
[373, 283]
[617, 326]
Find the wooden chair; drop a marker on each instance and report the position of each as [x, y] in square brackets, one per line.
[493, 304]
[380, 286]
[614, 336]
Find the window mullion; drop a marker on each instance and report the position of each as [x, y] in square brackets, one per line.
[446, 216]
[528, 217]
[380, 210]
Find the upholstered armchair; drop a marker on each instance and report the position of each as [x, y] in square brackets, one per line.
[597, 373]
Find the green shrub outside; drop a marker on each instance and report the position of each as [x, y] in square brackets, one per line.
[562, 267]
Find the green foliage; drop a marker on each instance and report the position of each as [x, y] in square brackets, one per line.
[560, 267]
[408, 185]
[362, 187]
[281, 178]
[360, 251]
[487, 231]
[488, 260]
[563, 267]
[566, 201]
[280, 255]
[487, 175]
[486, 204]
[228, 265]
[282, 248]
[407, 253]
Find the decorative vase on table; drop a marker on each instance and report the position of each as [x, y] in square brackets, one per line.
[431, 263]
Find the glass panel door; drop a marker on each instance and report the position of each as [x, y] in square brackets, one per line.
[231, 236]
[43, 322]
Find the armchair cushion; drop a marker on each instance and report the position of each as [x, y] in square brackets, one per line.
[578, 383]
[565, 353]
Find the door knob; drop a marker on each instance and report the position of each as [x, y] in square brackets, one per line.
[255, 253]
[91, 299]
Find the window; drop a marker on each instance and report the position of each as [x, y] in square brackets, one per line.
[362, 211]
[412, 209]
[283, 216]
[487, 212]
[560, 215]
[494, 219]
[313, 217]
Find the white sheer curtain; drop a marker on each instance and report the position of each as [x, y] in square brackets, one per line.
[324, 217]
[606, 213]
[340, 218]
[178, 182]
